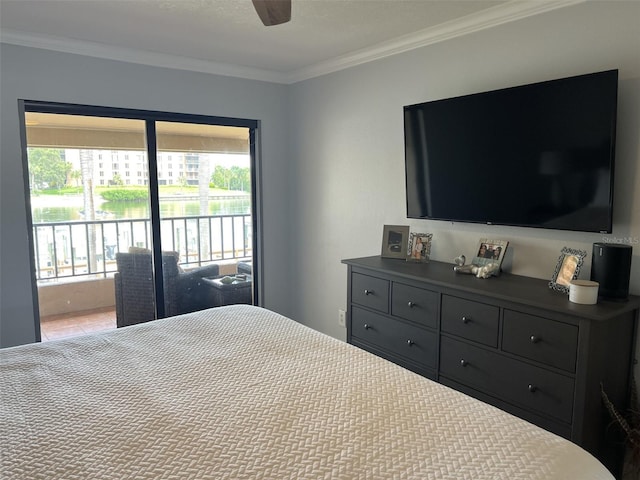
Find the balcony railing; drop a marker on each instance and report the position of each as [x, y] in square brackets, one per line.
[88, 248]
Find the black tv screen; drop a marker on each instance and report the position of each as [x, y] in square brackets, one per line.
[538, 155]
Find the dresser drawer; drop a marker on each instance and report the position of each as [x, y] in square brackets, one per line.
[370, 292]
[540, 339]
[416, 304]
[394, 336]
[537, 389]
[471, 320]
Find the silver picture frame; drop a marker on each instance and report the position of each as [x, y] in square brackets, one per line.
[568, 268]
[419, 247]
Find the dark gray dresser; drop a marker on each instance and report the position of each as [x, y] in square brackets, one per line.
[509, 341]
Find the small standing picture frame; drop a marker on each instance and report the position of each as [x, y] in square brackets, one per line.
[419, 247]
[394, 241]
[490, 251]
[567, 268]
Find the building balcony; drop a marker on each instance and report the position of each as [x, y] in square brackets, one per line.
[75, 276]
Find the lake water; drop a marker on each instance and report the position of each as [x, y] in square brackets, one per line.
[56, 209]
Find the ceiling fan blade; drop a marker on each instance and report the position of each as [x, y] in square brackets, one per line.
[273, 12]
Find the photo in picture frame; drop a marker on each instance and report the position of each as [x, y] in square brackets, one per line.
[490, 251]
[394, 241]
[419, 247]
[568, 268]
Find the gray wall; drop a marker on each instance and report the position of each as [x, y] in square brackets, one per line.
[44, 75]
[347, 146]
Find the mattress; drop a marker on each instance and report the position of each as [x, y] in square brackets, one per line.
[241, 392]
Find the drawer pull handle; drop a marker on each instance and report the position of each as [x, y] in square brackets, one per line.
[532, 388]
[411, 304]
[367, 326]
[410, 342]
[368, 292]
[466, 319]
[463, 363]
[534, 339]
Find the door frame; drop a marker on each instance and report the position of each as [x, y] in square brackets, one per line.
[150, 117]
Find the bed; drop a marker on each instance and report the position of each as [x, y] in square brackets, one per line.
[241, 392]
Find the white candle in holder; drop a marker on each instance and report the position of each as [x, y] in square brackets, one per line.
[583, 291]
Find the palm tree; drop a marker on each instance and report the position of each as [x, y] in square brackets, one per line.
[204, 177]
[86, 169]
[76, 176]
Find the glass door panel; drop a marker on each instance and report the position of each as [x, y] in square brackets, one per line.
[204, 186]
[89, 197]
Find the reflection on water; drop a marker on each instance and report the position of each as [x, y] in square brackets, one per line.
[130, 210]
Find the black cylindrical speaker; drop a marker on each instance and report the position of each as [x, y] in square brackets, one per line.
[611, 268]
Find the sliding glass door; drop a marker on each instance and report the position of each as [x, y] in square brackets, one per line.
[204, 184]
[144, 213]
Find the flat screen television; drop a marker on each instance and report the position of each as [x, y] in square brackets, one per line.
[538, 155]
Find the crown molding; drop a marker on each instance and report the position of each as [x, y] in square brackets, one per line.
[99, 50]
[492, 17]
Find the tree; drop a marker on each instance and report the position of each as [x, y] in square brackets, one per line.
[204, 174]
[240, 178]
[234, 178]
[76, 176]
[221, 177]
[47, 168]
[182, 181]
[86, 169]
[117, 179]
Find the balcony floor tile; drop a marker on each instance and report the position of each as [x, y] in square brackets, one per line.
[53, 327]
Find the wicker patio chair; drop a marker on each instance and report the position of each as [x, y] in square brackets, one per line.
[245, 267]
[134, 287]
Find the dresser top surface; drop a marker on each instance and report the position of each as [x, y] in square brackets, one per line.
[506, 287]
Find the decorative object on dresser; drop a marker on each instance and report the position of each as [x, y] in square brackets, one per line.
[567, 268]
[490, 251]
[511, 342]
[419, 247]
[481, 272]
[394, 241]
[487, 261]
[583, 291]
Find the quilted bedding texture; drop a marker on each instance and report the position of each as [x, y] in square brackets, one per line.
[241, 392]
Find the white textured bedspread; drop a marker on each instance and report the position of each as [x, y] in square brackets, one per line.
[240, 392]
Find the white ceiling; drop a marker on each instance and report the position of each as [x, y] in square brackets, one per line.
[226, 36]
